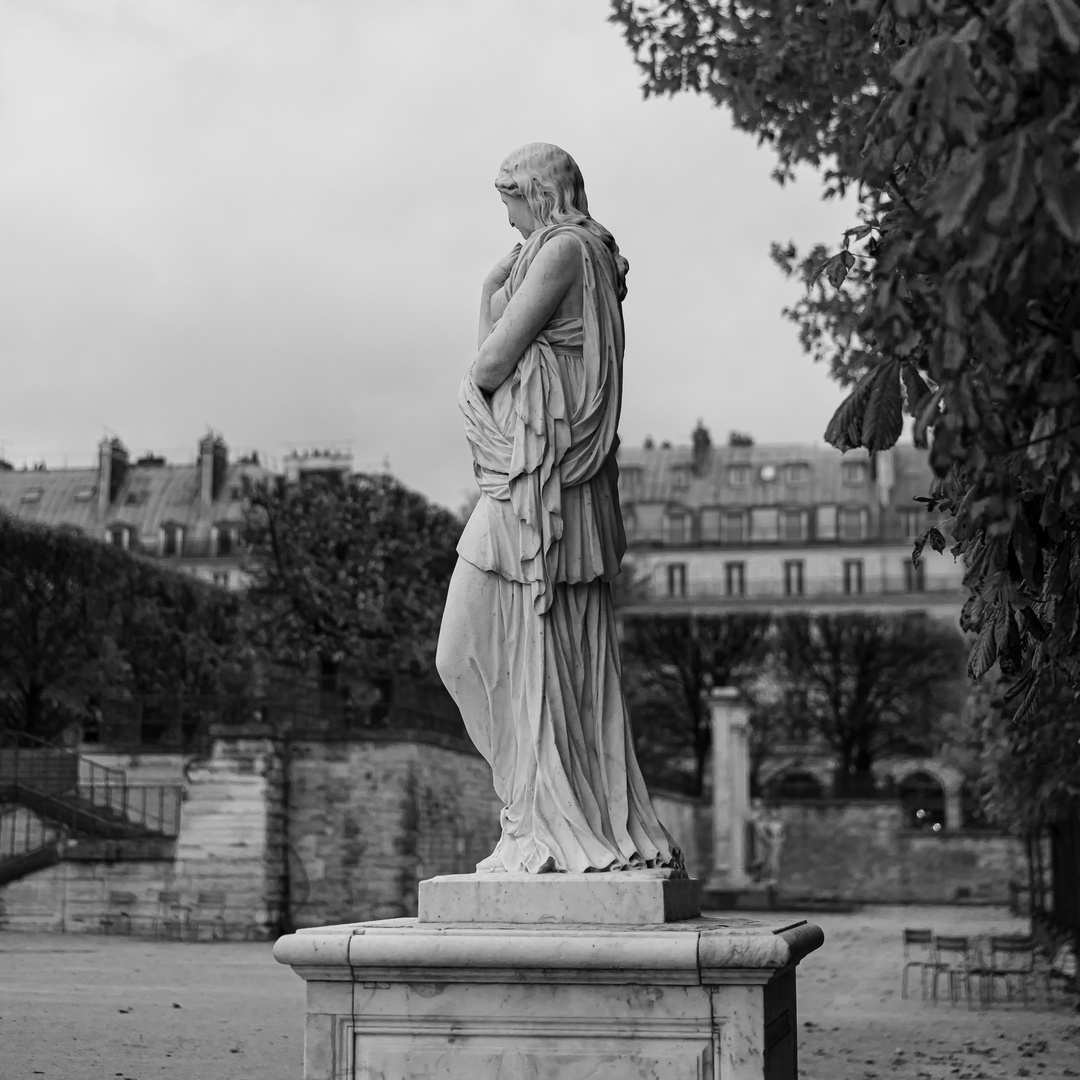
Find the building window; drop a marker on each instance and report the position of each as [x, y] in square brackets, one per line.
[852, 522]
[172, 540]
[793, 577]
[630, 482]
[911, 522]
[680, 478]
[119, 536]
[733, 528]
[853, 576]
[225, 540]
[738, 475]
[914, 577]
[764, 524]
[710, 525]
[33, 495]
[796, 472]
[825, 522]
[221, 577]
[735, 578]
[793, 525]
[853, 473]
[676, 579]
[85, 494]
[677, 531]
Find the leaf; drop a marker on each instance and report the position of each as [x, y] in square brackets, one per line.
[1033, 624]
[955, 193]
[1012, 169]
[845, 428]
[883, 419]
[915, 388]
[1066, 16]
[1041, 434]
[925, 420]
[837, 268]
[1025, 544]
[1063, 205]
[983, 653]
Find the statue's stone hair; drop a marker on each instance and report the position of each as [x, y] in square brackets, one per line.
[550, 182]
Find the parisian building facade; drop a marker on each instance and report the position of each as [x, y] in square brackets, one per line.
[188, 515]
[781, 527]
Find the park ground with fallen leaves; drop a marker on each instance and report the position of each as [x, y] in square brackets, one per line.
[86, 1007]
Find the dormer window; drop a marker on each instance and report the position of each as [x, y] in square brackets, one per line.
[33, 495]
[172, 541]
[226, 540]
[84, 494]
[738, 475]
[680, 478]
[630, 481]
[796, 472]
[119, 536]
[853, 473]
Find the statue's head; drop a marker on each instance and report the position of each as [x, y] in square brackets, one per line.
[542, 185]
[546, 178]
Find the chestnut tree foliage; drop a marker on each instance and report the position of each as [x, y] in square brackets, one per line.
[350, 575]
[956, 297]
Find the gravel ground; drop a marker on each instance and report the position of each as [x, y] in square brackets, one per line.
[855, 1026]
[87, 1007]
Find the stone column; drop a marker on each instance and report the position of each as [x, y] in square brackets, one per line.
[954, 806]
[731, 789]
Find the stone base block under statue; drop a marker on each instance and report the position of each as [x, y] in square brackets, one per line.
[695, 998]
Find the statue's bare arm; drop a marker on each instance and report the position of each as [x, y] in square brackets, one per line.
[555, 270]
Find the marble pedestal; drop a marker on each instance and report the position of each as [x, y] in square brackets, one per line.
[698, 998]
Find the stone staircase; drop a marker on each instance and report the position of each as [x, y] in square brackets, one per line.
[56, 804]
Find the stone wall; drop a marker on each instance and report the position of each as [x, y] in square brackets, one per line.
[689, 821]
[369, 819]
[229, 842]
[862, 851]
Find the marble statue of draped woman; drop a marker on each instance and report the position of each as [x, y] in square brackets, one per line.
[528, 644]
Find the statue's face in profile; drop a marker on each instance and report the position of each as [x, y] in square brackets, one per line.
[517, 210]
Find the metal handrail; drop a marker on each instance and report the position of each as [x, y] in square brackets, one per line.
[32, 765]
[22, 832]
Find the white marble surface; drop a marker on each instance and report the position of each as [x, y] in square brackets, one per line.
[632, 897]
[702, 998]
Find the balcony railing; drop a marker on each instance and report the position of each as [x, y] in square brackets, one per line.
[640, 537]
[204, 548]
[811, 588]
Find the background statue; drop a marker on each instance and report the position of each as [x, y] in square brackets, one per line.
[768, 844]
[528, 644]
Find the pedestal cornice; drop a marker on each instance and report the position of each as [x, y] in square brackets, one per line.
[694, 952]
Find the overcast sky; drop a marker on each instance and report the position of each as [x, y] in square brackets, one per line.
[272, 218]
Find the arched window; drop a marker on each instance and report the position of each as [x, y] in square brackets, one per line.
[794, 784]
[923, 800]
[119, 535]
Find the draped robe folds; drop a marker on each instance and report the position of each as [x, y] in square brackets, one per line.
[528, 645]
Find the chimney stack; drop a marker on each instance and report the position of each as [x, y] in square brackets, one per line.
[112, 471]
[213, 465]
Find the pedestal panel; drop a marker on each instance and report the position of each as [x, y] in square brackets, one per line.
[702, 998]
